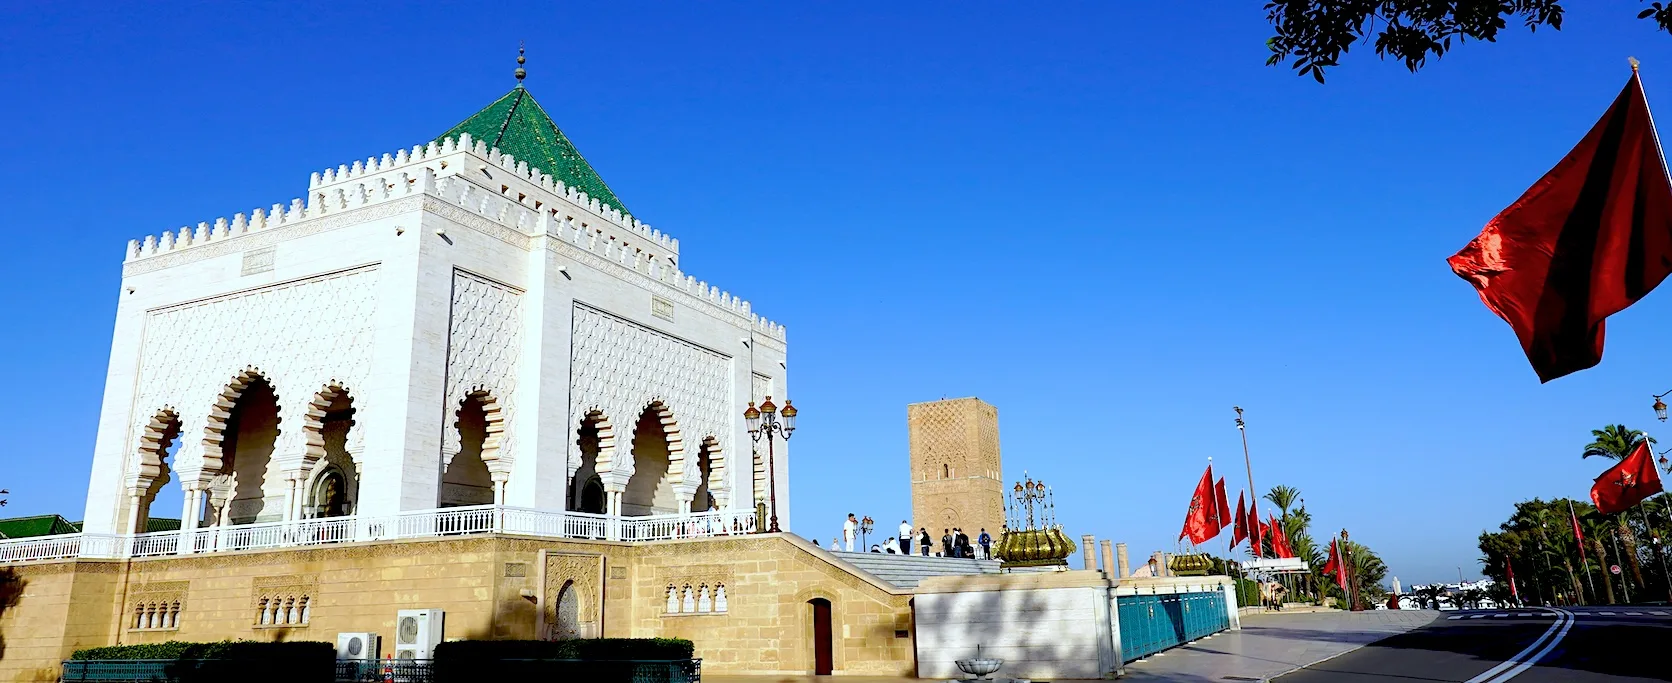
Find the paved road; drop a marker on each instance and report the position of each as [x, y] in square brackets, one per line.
[1274, 643]
[1579, 645]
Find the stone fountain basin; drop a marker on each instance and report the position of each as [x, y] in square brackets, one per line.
[979, 667]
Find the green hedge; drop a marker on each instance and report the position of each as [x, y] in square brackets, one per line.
[597, 659]
[226, 649]
[585, 648]
[1248, 593]
[243, 661]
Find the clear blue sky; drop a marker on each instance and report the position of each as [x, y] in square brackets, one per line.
[1110, 220]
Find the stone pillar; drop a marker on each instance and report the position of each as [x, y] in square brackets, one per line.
[1088, 550]
[499, 484]
[1120, 555]
[1108, 559]
[135, 525]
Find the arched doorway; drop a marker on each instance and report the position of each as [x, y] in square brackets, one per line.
[823, 653]
[466, 480]
[251, 431]
[159, 443]
[703, 500]
[335, 490]
[650, 490]
[586, 488]
[567, 613]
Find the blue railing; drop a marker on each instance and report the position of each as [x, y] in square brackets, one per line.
[1152, 623]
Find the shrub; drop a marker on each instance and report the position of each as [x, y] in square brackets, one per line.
[587, 649]
[599, 659]
[1248, 593]
[242, 660]
[226, 649]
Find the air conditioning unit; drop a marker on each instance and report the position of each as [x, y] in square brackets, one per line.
[358, 646]
[417, 632]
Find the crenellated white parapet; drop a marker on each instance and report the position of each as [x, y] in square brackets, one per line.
[438, 155]
[369, 191]
[446, 170]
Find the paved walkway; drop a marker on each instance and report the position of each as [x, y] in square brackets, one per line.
[1271, 644]
[1268, 645]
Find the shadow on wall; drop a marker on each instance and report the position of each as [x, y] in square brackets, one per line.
[11, 590]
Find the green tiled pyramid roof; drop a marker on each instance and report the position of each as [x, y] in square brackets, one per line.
[42, 525]
[518, 126]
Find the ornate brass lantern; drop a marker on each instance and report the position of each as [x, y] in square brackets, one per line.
[1031, 537]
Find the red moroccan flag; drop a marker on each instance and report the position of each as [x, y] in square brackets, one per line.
[1198, 520]
[1509, 569]
[1578, 536]
[1257, 536]
[1336, 565]
[1239, 532]
[1587, 240]
[1627, 483]
[1224, 507]
[1279, 539]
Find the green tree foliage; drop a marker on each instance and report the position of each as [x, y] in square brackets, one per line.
[1283, 497]
[1297, 525]
[1312, 35]
[1537, 539]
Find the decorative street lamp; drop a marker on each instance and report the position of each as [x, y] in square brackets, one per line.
[865, 527]
[1352, 575]
[1660, 406]
[764, 422]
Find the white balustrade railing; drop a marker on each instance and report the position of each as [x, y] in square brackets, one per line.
[438, 522]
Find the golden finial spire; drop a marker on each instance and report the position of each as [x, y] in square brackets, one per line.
[521, 72]
[1633, 62]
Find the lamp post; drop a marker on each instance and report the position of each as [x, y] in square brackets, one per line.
[1660, 406]
[1253, 493]
[1352, 574]
[764, 422]
[865, 527]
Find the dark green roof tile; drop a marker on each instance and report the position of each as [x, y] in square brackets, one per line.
[518, 126]
[40, 525]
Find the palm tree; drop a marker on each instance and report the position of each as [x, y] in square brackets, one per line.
[1283, 497]
[1595, 528]
[1616, 442]
[1428, 595]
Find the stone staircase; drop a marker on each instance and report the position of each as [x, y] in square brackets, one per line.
[906, 571]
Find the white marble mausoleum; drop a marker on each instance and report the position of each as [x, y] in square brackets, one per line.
[473, 321]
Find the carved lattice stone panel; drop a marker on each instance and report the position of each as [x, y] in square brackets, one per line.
[302, 334]
[484, 345]
[620, 367]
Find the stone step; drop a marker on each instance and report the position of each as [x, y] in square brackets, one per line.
[907, 571]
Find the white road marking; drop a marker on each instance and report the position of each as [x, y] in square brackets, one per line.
[1455, 618]
[1525, 614]
[1477, 616]
[1657, 613]
[1499, 616]
[1606, 614]
[1634, 614]
[1527, 658]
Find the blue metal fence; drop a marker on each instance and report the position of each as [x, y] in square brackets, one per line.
[1152, 623]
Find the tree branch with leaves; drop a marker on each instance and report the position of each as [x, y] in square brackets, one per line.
[1313, 35]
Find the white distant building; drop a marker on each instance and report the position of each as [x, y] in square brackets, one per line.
[473, 320]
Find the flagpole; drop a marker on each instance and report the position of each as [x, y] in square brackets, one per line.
[1253, 493]
[1581, 543]
[1655, 541]
[1625, 584]
[1655, 134]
